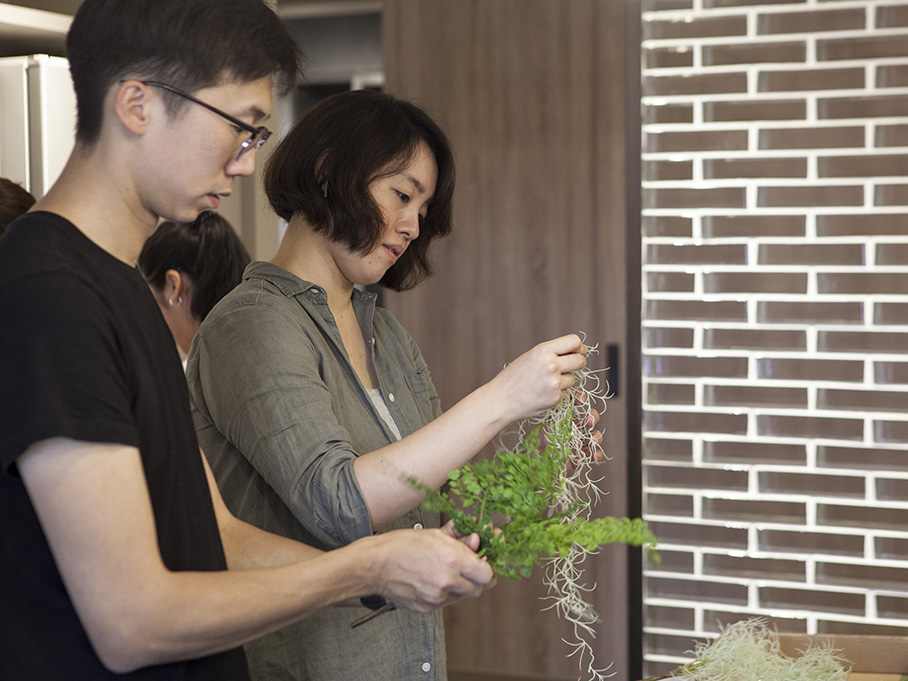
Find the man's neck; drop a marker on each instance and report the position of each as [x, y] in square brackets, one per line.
[101, 202]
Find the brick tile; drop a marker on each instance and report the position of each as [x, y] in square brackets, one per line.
[890, 432]
[802, 369]
[754, 510]
[757, 110]
[683, 477]
[722, 254]
[891, 136]
[862, 458]
[810, 427]
[863, 283]
[754, 568]
[696, 590]
[752, 452]
[675, 366]
[677, 56]
[810, 196]
[727, 311]
[665, 449]
[669, 393]
[835, 627]
[813, 21]
[810, 313]
[666, 225]
[660, 171]
[667, 617]
[668, 112]
[892, 254]
[875, 47]
[877, 165]
[715, 621]
[838, 137]
[810, 79]
[700, 535]
[673, 561]
[754, 339]
[668, 337]
[720, 197]
[861, 342]
[865, 517]
[680, 282]
[892, 16]
[658, 5]
[891, 195]
[819, 543]
[780, 482]
[720, 226]
[754, 53]
[864, 576]
[813, 600]
[754, 396]
[862, 107]
[679, 27]
[698, 84]
[695, 422]
[862, 400]
[744, 3]
[890, 313]
[811, 254]
[669, 504]
[755, 282]
[890, 548]
[889, 373]
[698, 140]
[892, 489]
[891, 75]
[895, 607]
[879, 224]
[725, 168]
[667, 644]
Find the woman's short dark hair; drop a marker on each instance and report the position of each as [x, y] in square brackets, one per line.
[189, 44]
[348, 141]
[14, 200]
[207, 250]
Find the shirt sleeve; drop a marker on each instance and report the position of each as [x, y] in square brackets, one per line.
[62, 372]
[255, 375]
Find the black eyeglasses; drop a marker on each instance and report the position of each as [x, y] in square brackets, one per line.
[257, 136]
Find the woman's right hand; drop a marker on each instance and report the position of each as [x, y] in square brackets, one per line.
[537, 380]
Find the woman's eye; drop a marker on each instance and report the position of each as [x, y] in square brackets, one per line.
[403, 197]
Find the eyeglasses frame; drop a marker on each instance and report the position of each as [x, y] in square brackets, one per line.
[257, 136]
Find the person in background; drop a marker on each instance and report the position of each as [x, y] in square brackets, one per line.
[314, 406]
[118, 557]
[14, 201]
[190, 266]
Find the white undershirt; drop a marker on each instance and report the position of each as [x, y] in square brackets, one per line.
[382, 409]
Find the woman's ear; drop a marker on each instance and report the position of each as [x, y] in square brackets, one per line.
[174, 288]
[133, 105]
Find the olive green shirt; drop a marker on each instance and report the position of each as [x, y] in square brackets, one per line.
[281, 416]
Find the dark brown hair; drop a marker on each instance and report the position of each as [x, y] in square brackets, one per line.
[189, 44]
[14, 200]
[348, 141]
[207, 250]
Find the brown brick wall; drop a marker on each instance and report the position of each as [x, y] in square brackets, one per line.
[775, 316]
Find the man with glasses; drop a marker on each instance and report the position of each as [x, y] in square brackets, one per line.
[117, 554]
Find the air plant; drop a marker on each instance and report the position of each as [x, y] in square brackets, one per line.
[541, 494]
[750, 649]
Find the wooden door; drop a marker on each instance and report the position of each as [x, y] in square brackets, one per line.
[532, 95]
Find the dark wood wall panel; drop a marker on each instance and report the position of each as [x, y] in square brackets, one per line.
[531, 93]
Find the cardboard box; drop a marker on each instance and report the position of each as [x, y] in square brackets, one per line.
[873, 658]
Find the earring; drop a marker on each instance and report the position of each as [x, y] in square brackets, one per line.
[171, 301]
[325, 189]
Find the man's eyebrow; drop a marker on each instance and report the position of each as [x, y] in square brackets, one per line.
[255, 113]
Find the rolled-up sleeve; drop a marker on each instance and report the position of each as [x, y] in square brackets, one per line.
[257, 378]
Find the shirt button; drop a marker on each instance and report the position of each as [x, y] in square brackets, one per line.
[426, 667]
[417, 526]
[391, 396]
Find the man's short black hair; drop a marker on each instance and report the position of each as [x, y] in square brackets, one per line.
[189, 44]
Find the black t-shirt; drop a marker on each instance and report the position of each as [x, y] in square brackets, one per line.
[85, 354]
